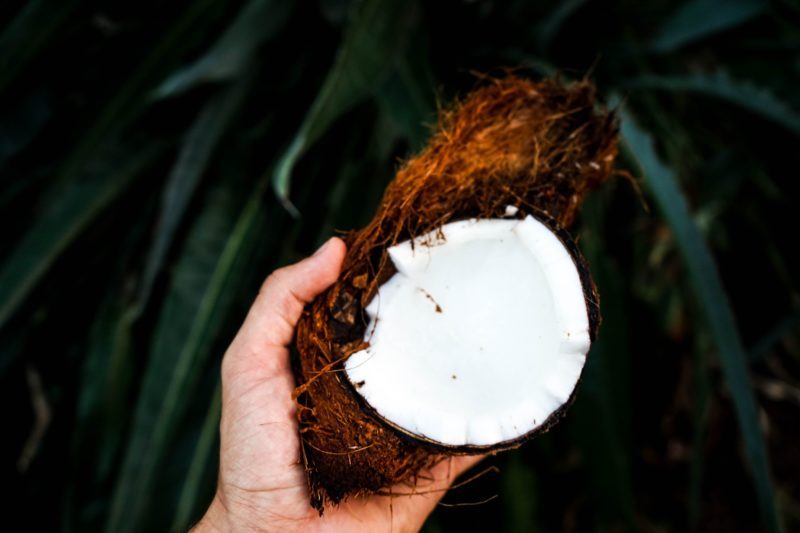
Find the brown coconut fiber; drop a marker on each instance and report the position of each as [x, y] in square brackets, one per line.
[540, 146]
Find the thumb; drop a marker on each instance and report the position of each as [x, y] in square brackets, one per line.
[270, 323]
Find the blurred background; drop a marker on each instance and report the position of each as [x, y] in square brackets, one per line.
[159, 159]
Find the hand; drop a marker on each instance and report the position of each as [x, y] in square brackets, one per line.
[262, 485]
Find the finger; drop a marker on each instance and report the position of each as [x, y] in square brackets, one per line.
[258, 427]
[270, 323]
[286, 291]
[411, 506]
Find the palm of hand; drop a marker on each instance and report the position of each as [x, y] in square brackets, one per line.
[262, 485]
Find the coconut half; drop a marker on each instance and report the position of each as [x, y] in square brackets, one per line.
[479, 337]
[457, 325]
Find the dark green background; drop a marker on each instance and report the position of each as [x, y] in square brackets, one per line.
[150, 153]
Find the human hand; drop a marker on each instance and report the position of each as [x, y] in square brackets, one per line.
[262, 485]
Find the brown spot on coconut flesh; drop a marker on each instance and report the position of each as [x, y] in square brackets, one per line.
[429, 297]
[453, 376]
[359, 384]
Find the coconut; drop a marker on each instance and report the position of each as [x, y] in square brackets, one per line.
[464, 311]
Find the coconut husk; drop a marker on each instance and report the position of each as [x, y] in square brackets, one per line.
[540, 146]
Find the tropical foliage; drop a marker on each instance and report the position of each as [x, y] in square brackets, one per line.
[158, 159]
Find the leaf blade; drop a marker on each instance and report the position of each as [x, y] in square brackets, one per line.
[698, 19]
[551, 25]
[742, 94]
[233, 52]
[371, 42]
[67, 214]
[201, 459]
[29, 32]
[179, 353]
[712, 298]
[184, 177]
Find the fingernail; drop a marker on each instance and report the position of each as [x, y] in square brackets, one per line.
[322, 248]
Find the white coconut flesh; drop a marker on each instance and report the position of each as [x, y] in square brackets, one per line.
[480, 335]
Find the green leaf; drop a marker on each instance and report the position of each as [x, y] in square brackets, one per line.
[203, 460]
[406, 96]
[700, 411]
[359, 183]
[197, 304]
[775, 336]
[107, 382]
[375, 35]
[520, 495]
[25, 119]
[196, 151]
[233, 53]
[103, 410]
[711, 296]
[129, 101]
[698, 19]
[30, 30]
[68, 208]
[549, 27]
[602, 411]
[755, 99]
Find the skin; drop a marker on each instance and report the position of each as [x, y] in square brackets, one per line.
[262, 484]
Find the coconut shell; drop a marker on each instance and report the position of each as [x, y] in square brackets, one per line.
[540, 146]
